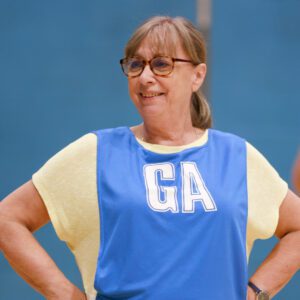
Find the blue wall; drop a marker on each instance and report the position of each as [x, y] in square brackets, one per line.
[60, 78]
[255, 82]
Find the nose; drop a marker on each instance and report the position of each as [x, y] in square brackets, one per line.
[147, 76]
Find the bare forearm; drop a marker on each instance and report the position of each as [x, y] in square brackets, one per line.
[280, 265]
[34, 265]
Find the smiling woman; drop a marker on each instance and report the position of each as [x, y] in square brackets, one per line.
[166, 209]
[179, 40]
[158, 102]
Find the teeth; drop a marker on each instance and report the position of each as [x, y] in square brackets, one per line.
[151, 95]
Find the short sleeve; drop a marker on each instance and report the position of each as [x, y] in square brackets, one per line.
[60, 184]
[67, 185]
[266, 191]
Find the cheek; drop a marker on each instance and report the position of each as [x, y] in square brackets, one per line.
[183, 85]
[131, 88]
[189, 84]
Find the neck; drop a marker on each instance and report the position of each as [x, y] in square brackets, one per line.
[167, 134]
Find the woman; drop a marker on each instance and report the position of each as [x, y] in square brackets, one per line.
[168, 209]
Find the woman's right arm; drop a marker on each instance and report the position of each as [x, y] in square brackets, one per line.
[21, 213]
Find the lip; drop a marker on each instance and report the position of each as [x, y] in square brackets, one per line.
[150, 95]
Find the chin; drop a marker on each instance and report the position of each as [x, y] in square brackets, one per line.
[150, 106]
[151, 111]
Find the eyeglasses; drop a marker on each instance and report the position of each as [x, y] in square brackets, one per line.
[160, 65]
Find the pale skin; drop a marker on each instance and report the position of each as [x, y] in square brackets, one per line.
[166, 117]
[166, 121]
[21, 213]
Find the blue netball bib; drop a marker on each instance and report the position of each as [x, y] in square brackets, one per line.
[172, 226]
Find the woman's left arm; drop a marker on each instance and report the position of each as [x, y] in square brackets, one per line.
[284, 260]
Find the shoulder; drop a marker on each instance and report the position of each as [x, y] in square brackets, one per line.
[226, 141]
[258, 165]
[81, 146]
[74, 153]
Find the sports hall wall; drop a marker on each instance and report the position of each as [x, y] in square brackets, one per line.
[60, 79]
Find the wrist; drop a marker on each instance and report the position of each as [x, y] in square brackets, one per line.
[62, 290]
[260, 294]
[250, 294]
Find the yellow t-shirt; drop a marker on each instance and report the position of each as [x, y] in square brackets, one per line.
[67, 184]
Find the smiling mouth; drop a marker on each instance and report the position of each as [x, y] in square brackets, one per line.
[150, 95]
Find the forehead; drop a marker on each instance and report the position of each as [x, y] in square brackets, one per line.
[162, 38]
[154, 46]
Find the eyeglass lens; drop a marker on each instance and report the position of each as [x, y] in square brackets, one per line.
[159, 66]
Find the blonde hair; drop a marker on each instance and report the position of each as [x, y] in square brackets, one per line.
[163, 34]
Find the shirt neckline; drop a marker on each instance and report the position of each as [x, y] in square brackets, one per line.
[164, 149]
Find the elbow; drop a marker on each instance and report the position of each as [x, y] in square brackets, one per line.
[2, 227]
[4, 230]
[291, 241]
[11, 234]
[8, 228]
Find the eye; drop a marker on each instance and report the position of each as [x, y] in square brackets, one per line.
[135, 64]
[162, 63]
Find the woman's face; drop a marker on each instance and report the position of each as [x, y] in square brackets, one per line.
[169, 96]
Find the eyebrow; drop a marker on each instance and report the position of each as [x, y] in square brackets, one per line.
[154, 55]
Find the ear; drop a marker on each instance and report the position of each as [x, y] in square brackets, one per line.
[198, 77]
